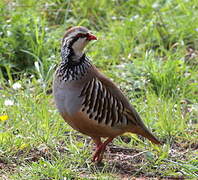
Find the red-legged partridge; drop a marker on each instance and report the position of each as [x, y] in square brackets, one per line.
[90, 102]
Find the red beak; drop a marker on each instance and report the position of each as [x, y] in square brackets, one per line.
[91, 37]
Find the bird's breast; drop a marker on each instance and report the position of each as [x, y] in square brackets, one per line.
[66, 96]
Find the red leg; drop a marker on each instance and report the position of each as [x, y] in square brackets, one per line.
[98, 155]
[97, 141]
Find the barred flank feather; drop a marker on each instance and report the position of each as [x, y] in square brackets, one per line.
[101, 105]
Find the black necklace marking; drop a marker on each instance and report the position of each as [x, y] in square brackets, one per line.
[69, 69]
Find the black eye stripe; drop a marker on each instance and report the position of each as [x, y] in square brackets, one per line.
[81, 35]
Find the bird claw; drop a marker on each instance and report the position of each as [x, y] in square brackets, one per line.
[98, 154]
[100, 150]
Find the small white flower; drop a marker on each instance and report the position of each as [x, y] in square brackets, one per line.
[134, 17]
[9, 33]
[39, 81]
[8, 102]
[46, 29]
[113, 17]
[16, 86]
[155, 5]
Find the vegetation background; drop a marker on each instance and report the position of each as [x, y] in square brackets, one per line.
[148, 47]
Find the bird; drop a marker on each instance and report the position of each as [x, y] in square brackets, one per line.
[89, 101]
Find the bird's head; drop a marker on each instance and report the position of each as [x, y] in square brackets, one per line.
[77, 38]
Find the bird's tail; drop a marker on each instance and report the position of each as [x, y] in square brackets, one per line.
[139, 127]
[143, 131]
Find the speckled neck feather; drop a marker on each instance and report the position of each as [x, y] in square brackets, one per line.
[70, 69]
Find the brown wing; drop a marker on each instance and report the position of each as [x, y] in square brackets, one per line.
[101, 105]
[105, 103]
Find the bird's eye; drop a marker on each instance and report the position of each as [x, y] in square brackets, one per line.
[81, 35]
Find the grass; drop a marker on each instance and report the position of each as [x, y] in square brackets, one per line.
[149, 48]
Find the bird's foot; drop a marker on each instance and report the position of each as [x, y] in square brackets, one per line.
[100, 150]
[98, 155]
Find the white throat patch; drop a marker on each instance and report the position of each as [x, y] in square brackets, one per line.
[78, 46]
